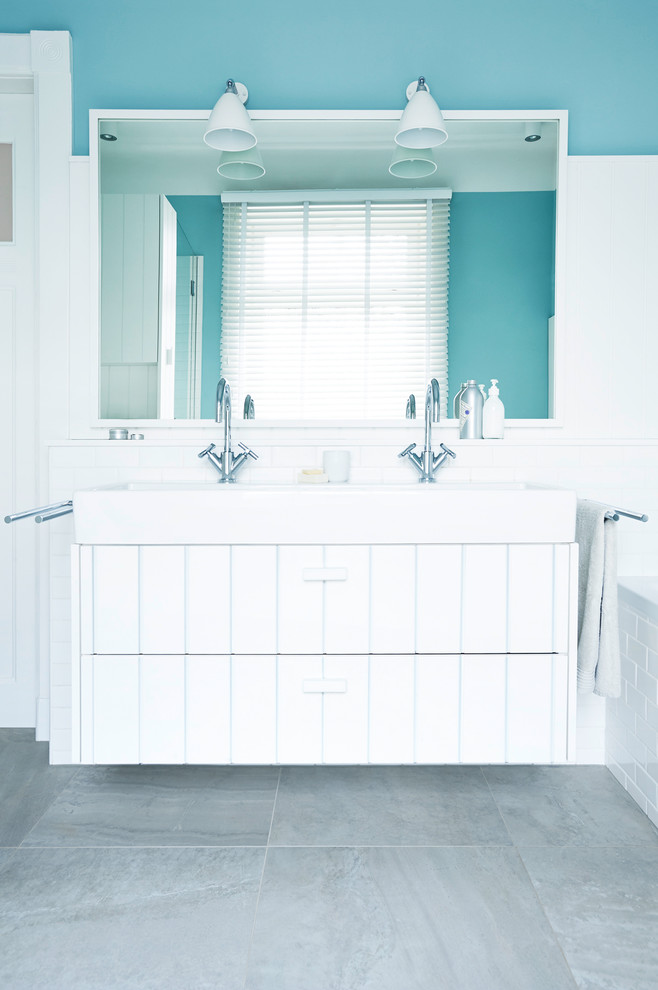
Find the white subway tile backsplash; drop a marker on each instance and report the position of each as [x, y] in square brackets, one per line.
[114, 456]
[648, 686]
[632, 720]
[636, 702]
[89, 477]
[637, 795]
[162, 457]
[628, 620]
[63, 457]
[297, 457]
[637, 652]
[652, 663]
[646, 785]
[628, 668]
[647, 633]
[647, 736]
[652, 715]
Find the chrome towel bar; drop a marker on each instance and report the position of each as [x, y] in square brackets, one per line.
[44, 512]
[613, 513]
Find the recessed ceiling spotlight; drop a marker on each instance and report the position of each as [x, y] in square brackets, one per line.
[109, 134]
[532, 132]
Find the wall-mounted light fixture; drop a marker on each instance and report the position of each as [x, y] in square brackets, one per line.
[241, 164]
[412, 163]
[421, 124]
[229, 125]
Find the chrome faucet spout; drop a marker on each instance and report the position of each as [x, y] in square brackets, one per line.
[224, 410]
[227, 464]
[428, 462]
[432, 407]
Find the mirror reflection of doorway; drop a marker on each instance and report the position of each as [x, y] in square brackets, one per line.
[189, 323]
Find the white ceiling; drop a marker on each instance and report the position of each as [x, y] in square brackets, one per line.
[169, 156]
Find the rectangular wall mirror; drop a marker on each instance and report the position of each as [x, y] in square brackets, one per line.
[333, 274]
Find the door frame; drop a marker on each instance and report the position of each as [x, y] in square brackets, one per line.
[42, 59]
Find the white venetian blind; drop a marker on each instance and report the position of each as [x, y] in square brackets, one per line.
[335, 309]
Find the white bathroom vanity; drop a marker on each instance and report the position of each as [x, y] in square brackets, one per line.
[324, 624]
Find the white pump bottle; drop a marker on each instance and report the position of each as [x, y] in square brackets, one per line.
[493, 414]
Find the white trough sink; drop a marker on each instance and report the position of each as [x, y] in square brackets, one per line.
[202, 513]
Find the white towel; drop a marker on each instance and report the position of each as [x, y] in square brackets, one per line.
[598, 624]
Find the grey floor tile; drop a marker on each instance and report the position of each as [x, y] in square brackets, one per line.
[401, 919]
[567, 806]
[336, 806]
[28, 785]
[135, 919]
[161, 806]
[603, 906]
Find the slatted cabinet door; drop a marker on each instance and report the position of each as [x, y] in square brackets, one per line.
[208, 709]
[391, 723]
[110, 709]
[162, 709]
[253, 709]
[392, 599]
[253, 599]
[300, 597]
[299, 709]
[346, 602]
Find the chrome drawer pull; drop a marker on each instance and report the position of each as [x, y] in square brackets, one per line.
[324, 574]
[324, 686]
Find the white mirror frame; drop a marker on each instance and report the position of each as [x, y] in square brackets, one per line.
[85, 422]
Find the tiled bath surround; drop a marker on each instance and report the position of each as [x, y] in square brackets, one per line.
[622, 473]
[632, 719]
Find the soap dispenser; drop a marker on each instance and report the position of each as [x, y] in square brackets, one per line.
[471, 405]
[493, 414]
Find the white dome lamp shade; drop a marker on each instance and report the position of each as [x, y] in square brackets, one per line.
[421, 124]
[229, 125]
[412, 163]
[242, 165]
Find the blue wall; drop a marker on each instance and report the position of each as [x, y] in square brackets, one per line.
[596, 58]
[501, 295]
[200, 217]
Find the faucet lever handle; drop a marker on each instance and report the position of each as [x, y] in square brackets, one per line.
[206, 451]
[248, 450]
[407, 450]
[447, 450]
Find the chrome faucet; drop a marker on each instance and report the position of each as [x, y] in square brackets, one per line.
[227, 464]
[428, 462]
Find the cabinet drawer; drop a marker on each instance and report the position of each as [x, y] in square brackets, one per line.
[322, 709]
[323, 595]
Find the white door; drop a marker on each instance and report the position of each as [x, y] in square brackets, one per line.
[18, 590]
